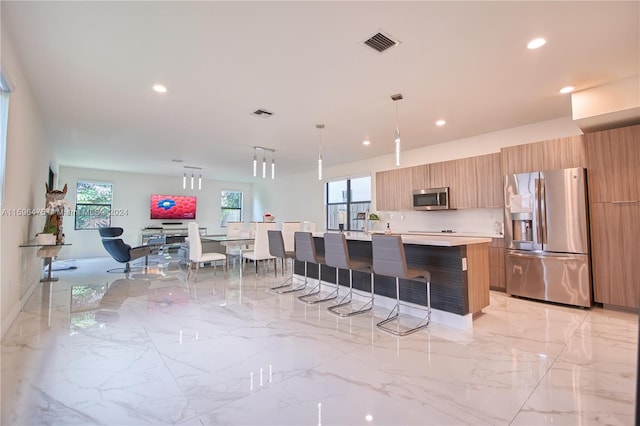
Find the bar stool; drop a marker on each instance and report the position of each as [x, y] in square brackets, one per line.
[276, 248]
[306, 252]
[336, 255]
[389, 259]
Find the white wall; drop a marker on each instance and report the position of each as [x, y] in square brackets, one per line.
[131, 194]
[300, 197]
[27, 166]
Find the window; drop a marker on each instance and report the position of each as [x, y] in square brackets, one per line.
[345, 199]
[230, 207]
[93, 205]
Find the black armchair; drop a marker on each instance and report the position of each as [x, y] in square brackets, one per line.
[121, 251]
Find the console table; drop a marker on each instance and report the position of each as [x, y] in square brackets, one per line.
[46, 252]
[172, 235]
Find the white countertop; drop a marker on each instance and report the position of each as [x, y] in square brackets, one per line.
[422, 239]
[456, 234]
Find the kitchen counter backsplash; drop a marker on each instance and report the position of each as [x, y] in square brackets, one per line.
[464, 223]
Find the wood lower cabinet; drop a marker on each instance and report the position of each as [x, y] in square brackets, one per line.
[496, 265]
[615, 228]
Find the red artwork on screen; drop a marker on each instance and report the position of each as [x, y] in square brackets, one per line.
[173, 207]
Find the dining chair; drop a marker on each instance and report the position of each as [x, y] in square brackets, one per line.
[234, 249]
[196, 256]
[260, 250]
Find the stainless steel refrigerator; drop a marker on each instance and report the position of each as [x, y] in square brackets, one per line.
[546, 236]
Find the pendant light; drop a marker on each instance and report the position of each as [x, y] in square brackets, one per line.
[273, 165]
[396, 138]
[193, 177]
[320, 127]
[255, 161]
[264, 161]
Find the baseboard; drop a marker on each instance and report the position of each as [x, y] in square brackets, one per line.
[17, 308]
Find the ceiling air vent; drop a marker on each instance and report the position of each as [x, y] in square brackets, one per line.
[262, 113]
[380, 42]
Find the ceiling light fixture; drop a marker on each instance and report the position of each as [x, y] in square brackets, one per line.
[255, 161]
[319, 127]
[264, 161]
[193, 170]
[536, 43]
[264, 165]
[160, 88]
[366, 142]
[396, 138]
[273, 165]
[441, 123]
[567, 89]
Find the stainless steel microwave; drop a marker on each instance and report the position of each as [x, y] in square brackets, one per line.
[431, 199]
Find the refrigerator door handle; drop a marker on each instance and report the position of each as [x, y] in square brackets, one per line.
[542, 255]
[543, 212]
[538, 206]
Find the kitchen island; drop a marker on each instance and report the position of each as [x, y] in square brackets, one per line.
[459, 268]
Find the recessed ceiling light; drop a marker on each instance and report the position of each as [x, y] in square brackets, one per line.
[177, 160]
[159, 88]
[366, 142]
[440, 123]
[567, 89]
[536, 42]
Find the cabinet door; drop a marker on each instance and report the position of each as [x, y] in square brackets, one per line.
[496, 264]
[420, 177]
[393, 190]
[552, 154]
[615, 228]
[614, 164]
[489, 179]
[463, 183]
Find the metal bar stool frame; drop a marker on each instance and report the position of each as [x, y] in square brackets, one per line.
[389, 259]
[306, 252]
[336, 255]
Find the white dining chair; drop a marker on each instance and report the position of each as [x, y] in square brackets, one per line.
[196, 256]
[234, 249]
[261, 244]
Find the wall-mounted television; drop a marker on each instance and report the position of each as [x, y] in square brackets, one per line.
[173, 206]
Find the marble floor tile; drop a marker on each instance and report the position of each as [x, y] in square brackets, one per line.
[157, 348]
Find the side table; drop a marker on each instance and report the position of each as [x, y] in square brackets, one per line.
[47, 252]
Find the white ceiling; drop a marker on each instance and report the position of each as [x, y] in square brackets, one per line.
[91, 66]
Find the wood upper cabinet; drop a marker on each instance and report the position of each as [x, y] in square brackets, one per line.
[394, 190]
[614, 165]
[420, 177]
[463, 183]
[474, 182]
[489, 181]
[615, 228]
[553, 154]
